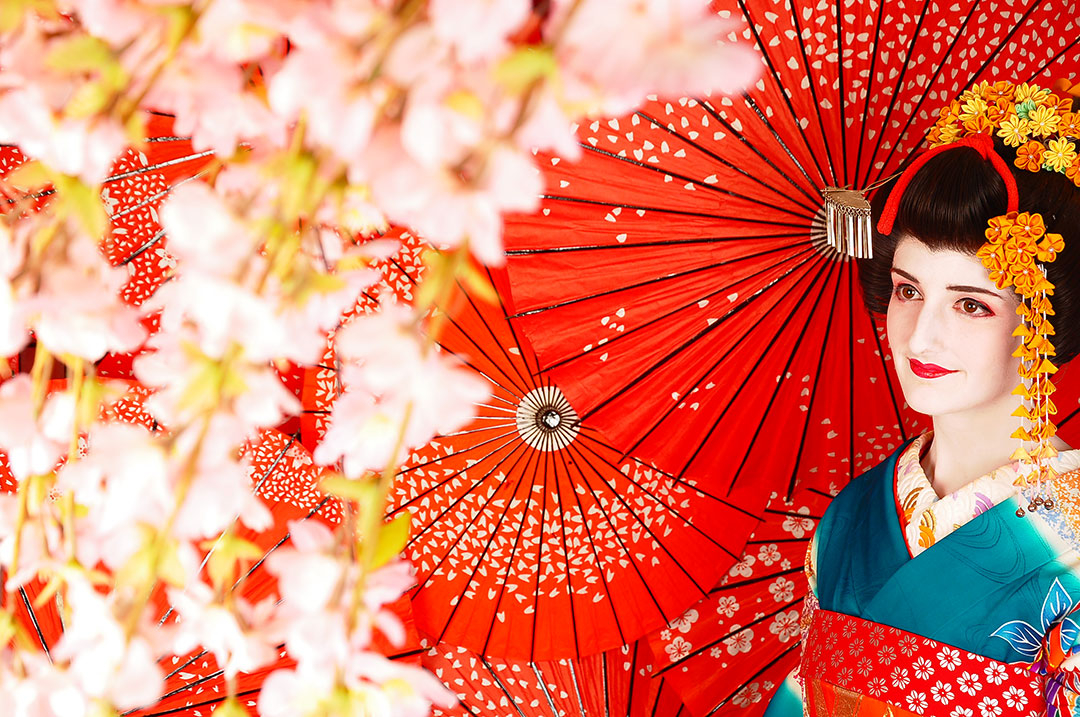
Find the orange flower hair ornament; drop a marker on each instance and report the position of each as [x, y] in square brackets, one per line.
[1041, 125]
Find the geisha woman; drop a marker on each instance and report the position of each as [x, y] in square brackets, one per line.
[946, 580]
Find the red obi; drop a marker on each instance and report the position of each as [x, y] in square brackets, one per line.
[854, 667]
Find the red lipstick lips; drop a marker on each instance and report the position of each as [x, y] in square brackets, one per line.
[928, 370]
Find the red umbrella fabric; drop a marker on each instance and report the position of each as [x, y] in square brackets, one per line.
[677, 283]
[616, 683]
[729, 653]
[533, 539]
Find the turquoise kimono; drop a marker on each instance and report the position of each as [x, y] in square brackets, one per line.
[1001, 587]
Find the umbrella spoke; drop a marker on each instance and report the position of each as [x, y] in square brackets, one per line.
[811, 210]
[791, 109]
[756, 675]
[675, 352]
[658, 243]
[922, 98]
[813, 95]
[456, 474]
[710, 369]
[816, 384]
[652, 534]
[702, 650]
[699, 183]
[673, 211]
[820, 263]
[883, 127]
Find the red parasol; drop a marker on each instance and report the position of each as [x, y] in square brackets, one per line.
[533, 539]
[729, 653]
[678, 283]
[618, 682]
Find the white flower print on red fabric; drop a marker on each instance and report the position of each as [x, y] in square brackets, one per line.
[1015, 697]
[916, 702]
[948, 658]
[886, 655]
[989, 707]
[747, 696]
[782, 590]
[942, 692]
[961, 712]
[727, 606]
[769, 554]
[744, 568]
[877, 687]
[969, 683]
[844, 677]
[678, 649]
[684, 623]
[786, 625]
[855, 647]
[865, 666]
[924, 669]
[798, 527]
[740, 642]
[900, 677]
[995, 674]
[909, 645]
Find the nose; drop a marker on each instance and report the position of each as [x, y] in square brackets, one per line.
[927, 330]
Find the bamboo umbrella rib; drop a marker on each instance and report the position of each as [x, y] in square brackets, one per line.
[814, 390]
[708, 107]
[715, 189]
[764, 158]
[757, 674]
[746, 380]
[915, 35]
[807, 248]
[668, 243]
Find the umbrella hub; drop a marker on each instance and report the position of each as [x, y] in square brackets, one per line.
[546, 420]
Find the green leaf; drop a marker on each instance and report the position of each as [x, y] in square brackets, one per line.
[29, 176]
[226, 551]
[83, 202]
[526, 65]
[362, 491]
[477, 284]
[81, 53]
[231, 707]
[392, 539]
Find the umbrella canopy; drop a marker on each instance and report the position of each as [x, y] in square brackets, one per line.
[533, 538]
[616, 683]
[677, 283]
[729, 653]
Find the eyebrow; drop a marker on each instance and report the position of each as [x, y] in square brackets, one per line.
[962, 288]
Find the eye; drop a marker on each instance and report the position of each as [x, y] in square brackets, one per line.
[905, 292]
[973, 308]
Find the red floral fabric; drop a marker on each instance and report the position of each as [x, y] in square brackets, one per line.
[911, 672]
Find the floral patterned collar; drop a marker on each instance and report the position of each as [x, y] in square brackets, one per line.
[925, 518]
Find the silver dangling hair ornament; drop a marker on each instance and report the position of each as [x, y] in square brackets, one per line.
[848, 228]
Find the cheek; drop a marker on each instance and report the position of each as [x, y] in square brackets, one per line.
[898, 324]
[989, 345]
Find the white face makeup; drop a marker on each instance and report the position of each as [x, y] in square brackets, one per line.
[950, 329]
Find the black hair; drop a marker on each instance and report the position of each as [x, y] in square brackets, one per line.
[947, 206]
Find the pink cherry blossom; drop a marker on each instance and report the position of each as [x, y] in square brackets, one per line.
[122, 482]
[387, 375]
[33, 444]
[78, 310]
[237, 646]
[477, 29]
[103, 663]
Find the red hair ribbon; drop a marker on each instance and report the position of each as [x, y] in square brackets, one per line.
[982, 143]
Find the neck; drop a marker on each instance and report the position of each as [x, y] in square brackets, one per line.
[966, 447]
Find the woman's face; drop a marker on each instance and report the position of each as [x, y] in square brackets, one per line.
[951, 332]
